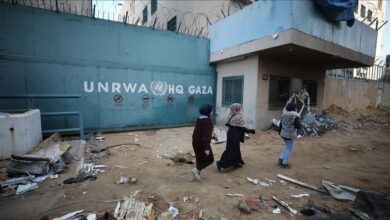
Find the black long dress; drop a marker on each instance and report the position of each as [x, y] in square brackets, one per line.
[201, 139]
[231, 157]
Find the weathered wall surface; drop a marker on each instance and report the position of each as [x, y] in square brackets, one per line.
[355, 95]
[128, 76]
[248, 69]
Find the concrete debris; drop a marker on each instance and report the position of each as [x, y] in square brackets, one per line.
[25, 188]
[52, 154]
[257, 182]
[192, 199]
[133, 209]
[300, 195]
[276, 210]
[234, 195]
[285, 205]
[219, 135]
[126, 179]
[243, 206]
[253, 203]
[91, 216]
[69, 215]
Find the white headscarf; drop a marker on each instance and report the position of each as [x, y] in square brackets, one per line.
[235, 117]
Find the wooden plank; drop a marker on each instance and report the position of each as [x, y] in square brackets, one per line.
[285, 205]
[300, 183]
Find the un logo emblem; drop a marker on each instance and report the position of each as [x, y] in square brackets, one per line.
[158, 87]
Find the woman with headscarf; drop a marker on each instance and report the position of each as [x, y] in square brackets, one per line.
[201, 139]
[289, 124]
[231, 157]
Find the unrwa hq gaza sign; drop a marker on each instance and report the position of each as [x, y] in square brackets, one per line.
[158, 88]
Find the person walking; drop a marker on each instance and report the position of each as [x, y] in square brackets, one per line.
[231, 157]
[201, 139]
[289, 124]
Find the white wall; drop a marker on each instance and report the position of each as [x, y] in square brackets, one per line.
[19, 133]
[247, 67]
[191, 14]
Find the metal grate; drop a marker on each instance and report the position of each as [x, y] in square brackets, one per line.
[232, 90]
[374, 74]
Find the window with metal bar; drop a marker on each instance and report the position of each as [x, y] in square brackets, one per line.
[153, 6]
[232, 90]
[356, 8]
[279, 91]
[145, 15]
[362, 11]
[369, 15]
[171, 25]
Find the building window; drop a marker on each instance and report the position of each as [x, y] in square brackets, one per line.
[279, 91]
[171, 26]
[232, 90]
[363, 11]
[311, 88]
[153, 6]
[369, 15]
[356, 8]
[145, 15]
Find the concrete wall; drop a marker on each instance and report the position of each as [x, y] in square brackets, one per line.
[160, 77]
[265, 18]
[247, 67]
[19, 132]
[192, 15]
[264, 114]
[355, 95]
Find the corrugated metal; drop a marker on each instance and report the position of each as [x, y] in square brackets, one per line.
[128, 76]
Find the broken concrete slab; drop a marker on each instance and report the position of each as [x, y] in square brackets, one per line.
[219, 135]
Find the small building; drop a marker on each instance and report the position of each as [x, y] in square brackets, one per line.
[271, 49]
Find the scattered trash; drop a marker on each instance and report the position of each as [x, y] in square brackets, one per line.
[91, 216]
[173, 212]
[300, 183]
[69, 215]
[165, 216]
[125, 179]
[285, 205]
[79, 179]
[134, 209]
[84, 193]
[192, 199]
[243, 206]
[253, 203]
[276, 210]
[219, 135]
[99, 138]
[340, 192]
[25, 188]
[15, 181]
[235, 195]
[121, 167]
[54, 176]
[257, 182]
[269, 180]
[300, 195]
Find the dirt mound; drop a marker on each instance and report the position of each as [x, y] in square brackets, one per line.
[336, 110]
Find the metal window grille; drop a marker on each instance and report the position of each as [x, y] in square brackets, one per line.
[232, 90]
[369, 15]
[145, 15]
[279, 91]
[171, 26]
[363, 11]
[153, 6]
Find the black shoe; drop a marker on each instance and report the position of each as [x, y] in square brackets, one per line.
[285, 165]
[218, 166]
[280, 161]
